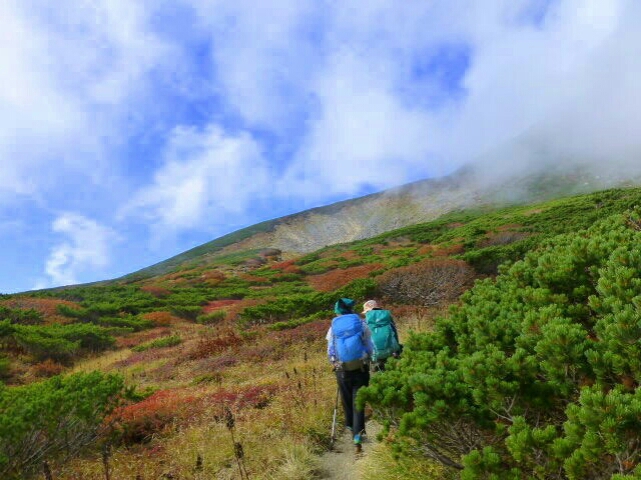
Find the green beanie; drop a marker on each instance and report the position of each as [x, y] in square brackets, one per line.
[344, 305]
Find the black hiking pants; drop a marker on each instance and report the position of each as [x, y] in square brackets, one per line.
[348, 383]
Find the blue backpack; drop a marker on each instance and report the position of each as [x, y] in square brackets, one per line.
[347, 333]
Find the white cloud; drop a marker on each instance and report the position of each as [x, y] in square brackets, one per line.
[263, 54]
[71, 72]
[206, 175]
[85, 250]
[337, 84]
[300, 101]
[361, 131]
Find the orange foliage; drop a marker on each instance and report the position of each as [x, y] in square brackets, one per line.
[218, 304]
[326, 282]
[47, 368]
[253, 278]
[212, 277]
[350, 255]
[288, 266]
[160, 318]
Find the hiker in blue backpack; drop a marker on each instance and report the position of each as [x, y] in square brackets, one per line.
[383, 333]
[349, 349]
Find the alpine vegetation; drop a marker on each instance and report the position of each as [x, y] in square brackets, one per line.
[536, 373]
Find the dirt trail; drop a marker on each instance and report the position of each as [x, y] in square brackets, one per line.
[342, 462]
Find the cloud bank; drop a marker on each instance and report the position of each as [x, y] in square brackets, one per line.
[190, 117]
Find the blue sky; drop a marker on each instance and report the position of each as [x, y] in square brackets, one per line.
[132, 131]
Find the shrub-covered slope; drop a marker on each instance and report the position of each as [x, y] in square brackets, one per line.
[243, 335]
[536, 374]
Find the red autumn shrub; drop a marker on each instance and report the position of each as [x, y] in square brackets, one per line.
[47, 368]
[277, 345]
[307, 333]
[252, 396]
[138, 422]
[209, 346]
[218, 304]
[212, 277]
[288, 266]
[427, 283]
[213, 365]
[329, 281]
[160, 318]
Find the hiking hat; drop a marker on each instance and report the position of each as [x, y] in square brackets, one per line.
[344, 305]
[370, 305]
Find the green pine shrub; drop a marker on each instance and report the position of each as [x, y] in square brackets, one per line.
[163, 342]
[188, 312]
[5, 368]
[18, 315]
[61, 342]
[128, 322]
[212, 318]
[536, 373]
[285, 309]
[53, 419]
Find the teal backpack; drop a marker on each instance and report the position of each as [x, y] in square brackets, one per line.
[383, 336]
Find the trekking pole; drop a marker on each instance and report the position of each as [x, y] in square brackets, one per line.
[333, 438]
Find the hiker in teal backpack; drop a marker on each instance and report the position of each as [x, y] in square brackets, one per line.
[383, 333]
[349, 349]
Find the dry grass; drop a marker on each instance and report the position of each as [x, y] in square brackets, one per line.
[282, 437]
[381, 464]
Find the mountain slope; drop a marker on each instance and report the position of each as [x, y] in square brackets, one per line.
[221, 344]
[373, 214]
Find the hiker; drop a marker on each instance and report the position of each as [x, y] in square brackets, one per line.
[383, 333]
[349, 349]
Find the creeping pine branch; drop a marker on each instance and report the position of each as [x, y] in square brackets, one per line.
[432, 452]
[506, 415]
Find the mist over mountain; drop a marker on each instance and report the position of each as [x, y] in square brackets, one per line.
[482, 185]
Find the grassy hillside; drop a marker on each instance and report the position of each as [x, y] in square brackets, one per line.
[209, 355]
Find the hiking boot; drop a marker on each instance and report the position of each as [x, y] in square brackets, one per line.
[358, 443]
